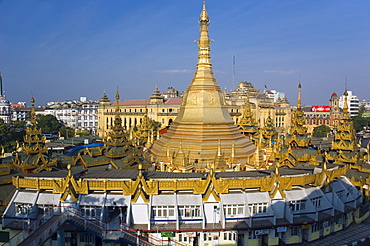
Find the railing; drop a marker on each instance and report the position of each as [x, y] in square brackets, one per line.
[47, 224]
[30, 229]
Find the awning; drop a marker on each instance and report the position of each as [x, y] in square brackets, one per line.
[189, 199]
[25, 197]
[117, 200]
[233, 198]
[257, 197]
[163, 200]
[92, 200]
[295, 195]
[48, 199]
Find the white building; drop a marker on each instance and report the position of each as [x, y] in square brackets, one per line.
[238, 216]
[273, 94]
[366, 105]
[352, 101]
[5, 112]
[80, 115]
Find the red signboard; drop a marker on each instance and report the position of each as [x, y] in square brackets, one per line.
[320, 108]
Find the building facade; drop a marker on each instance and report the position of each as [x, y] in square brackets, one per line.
[164, 109]
[352, 101]
[82, 115]
[5, 112]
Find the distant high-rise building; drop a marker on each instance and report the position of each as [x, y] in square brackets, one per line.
[353, 103]
[5, 112]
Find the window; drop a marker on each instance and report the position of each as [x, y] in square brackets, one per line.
[316, 201]
[234, 210]
[229, 236]
[91, 210]
[23, 208]
[189, 211]
[163, 211]
[210, 236]
[87, 238]
[257, 208]
[183, 238]
[295, 231]
[44, 208]
[315, 227]
[297, 205]
[252, 235]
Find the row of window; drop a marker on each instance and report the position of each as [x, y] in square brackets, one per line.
[193, 211]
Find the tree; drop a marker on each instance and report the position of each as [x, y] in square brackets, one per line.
[67, 132]
[360, 122]
[48, 123]
[10, 134]
[321, 131]
[361, 110]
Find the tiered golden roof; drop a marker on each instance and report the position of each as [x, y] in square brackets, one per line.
[298, 132]
[344, 142]
[35, 148]
[145, 132]
[118, 150]
[248, 125]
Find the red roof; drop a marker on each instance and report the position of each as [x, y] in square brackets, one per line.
[334, 94]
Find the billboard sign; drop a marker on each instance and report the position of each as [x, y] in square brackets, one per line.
[320, 108]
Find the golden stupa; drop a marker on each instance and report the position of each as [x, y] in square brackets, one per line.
[203, 125]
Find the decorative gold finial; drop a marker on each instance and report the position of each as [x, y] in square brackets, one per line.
[299, 96]
[219, 148]
[345, 105]
[117, 102]
[276, 170]
[204, 15]
[33, 112]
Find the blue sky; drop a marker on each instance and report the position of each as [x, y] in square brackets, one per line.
[61, 50]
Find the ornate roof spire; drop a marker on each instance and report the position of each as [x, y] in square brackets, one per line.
[345, 105]
[204, 50]
[204, 14]
[299, 96]
[33, 112]
[117, 102]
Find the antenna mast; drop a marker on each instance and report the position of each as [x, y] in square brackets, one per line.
[233, 70]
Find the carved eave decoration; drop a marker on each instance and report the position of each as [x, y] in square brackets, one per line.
[210, 185]
[95, 162]
[34, 131]
[345, 158]
[143, 188]
[69, 186]
[35, 149]
[96, 151]
[34, 139]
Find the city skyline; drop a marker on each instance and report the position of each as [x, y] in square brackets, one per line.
[59, 51]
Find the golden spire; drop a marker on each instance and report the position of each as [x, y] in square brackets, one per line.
[117, 102]
[219, 148]
[345, 105]
[299, 97]
[117, 120]
[204, 66]
[204, 14]
[33, 112]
